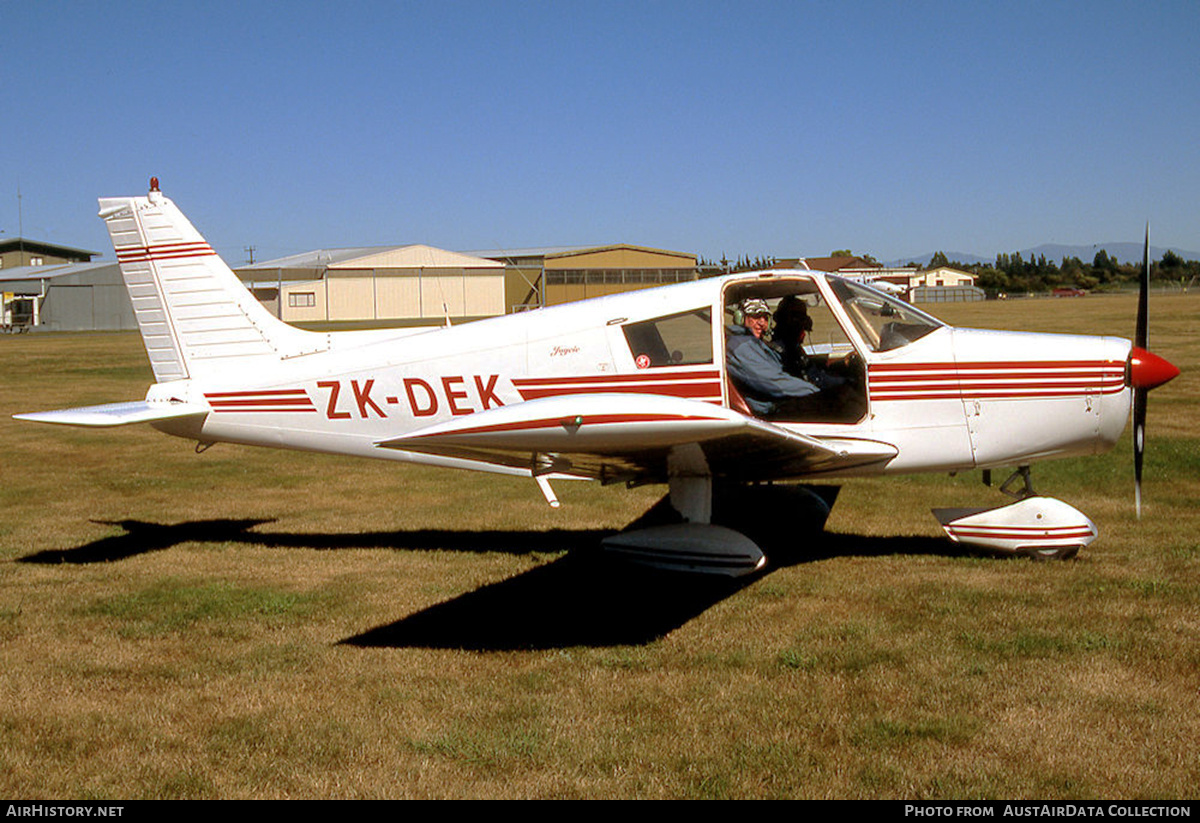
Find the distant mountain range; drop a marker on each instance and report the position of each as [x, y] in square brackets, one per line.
[1124, 252]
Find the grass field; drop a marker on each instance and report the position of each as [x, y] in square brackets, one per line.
[246, 623]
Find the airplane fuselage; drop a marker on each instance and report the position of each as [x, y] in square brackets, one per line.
[953, 400]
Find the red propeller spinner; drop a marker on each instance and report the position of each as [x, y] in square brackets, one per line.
[1147, 370]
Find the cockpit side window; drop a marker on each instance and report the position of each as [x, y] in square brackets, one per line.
[674, 340]
[882, 321]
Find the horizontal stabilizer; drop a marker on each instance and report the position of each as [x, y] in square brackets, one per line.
[115, 414]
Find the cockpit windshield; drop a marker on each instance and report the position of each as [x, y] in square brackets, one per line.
[882, 321]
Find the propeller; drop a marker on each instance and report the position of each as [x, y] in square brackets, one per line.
[1144, 372]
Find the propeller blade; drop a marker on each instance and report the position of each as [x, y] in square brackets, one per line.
[1142, 333]
[1139, 445]
[1140, 393]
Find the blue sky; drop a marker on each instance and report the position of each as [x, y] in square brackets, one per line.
[751, 128]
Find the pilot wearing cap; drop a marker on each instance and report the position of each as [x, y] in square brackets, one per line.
[757, 368]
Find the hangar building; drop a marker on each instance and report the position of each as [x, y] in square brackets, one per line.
[45, 286]
[562, 274]
[65, 297]
[389, 285]
[392, 285]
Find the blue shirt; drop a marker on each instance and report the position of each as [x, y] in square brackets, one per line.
[757, 371]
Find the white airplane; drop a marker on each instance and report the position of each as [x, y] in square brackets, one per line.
[876, 282]
[887, 287]
[642, 387]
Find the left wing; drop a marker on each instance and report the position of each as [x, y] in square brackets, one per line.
[627, 437]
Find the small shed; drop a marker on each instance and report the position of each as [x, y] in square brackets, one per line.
[946, 294]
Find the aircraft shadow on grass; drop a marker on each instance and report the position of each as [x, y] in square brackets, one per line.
[576, 600]
[586, 599]
[142, 537]
[583, 599]
[580, 599]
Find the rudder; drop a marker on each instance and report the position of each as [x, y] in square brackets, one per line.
[194, 314]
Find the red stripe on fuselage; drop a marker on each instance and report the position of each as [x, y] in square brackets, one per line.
[266, 393]
[240, 409]
[282, 403]
[995, 381]
[999, 365]
[568, 422]
[691, 390]
[635, 377]
[700, 385]
[267, 400]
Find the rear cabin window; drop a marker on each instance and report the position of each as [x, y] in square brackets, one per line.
[675, 340]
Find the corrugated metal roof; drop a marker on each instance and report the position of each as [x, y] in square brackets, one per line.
[341, 258]
[567, 251]
[622, 246]
[318, 258]
[537, 251]
[51, 270]
[417, 256]
[8, 244]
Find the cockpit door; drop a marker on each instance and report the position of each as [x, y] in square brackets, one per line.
[804, 367]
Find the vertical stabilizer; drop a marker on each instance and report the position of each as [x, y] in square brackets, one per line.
[195, 316]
